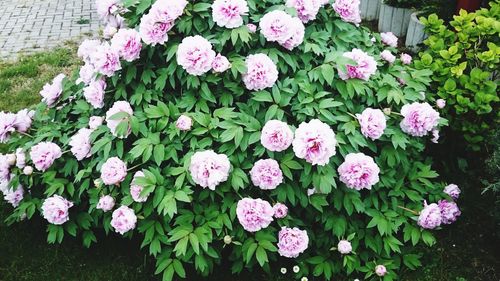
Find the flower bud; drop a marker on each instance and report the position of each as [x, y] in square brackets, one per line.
[228, 240]
[98, 183]
[28, 170]
[11, 159]
[387, 111]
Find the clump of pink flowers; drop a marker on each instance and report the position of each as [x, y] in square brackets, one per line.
[359, 171]
[254, 214]
[452, 190]
[106, 203]
[372, 122]
[365, 66]
[449, 211]
[306, 9]
[113, 171]
[315, 142]
[278, 26]
[276, 135]
[123, 219]
[261, 72]
[292, 242]
[430, 216]
[348, 10]
[7, 125]
[419, 119]
[55, 209]
[94, 93]
[12, 195]
[159, 20]
[195, 55]
[266, 174]
[209, 169]
[44, 154]
[128, 44]
[280, 210]
[80, 144]
[229, 13]
[106, 60]
[389, 39]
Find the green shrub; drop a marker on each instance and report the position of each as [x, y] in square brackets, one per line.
[465, 60]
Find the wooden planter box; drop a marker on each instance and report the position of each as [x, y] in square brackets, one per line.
[415, 34]
[370, 9]
[394, 19]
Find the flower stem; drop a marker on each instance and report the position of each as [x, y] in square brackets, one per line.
[26, 134]
[136, 166]
[409, 210]
[352, 115]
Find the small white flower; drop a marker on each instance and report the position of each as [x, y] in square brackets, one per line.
[304, 279]
[296, 269]
[283, 270]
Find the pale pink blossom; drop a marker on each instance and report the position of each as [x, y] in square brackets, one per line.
[24, 118]
[220, 64]
[277, 26]
[388, 56]
[28, 170]
[195, 55]
[266, 174]
[306, 9]
[106, 60]
[344, 247]
[418, 119]
[94, 93]
[261, 72]
[51, 91]
[292, 242]
[87, 74]
[440, 103]
[280, 210]
[252, 28]
[359, 171]
[20, 158]
[4, 168]
[55, 209]
[405, 58]
[13, 196]
[254, 214]
[372, 122]
[430, 216]
[107, 8]
[87, 48]
[153, 29]
[209, 169]
[452, 190]
[169, 10]
[113, 121]
[276, 135]
[449, 211]
[44, 154]
[380, 270]
[128, 44]
[7, 125]
[95, 122]
[136, 189]
[297, 36]
[315, 142]
[348, 10]
[80, 144]
[228, 13]
[113, 171]
[389, 39]
[106, 203]
[365, 66]
[113, 25]
[123, 219]
[184, 123]
[435, 136]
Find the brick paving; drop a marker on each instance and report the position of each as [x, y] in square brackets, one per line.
[30, 25]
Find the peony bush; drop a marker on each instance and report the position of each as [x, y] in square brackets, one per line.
[264, 132]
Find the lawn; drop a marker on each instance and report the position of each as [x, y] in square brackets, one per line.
[464, 251]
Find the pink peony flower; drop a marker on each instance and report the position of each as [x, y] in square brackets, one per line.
[80, 144]
[106, 60]
[252, 28]
[24, 120]
[365, 66]
[153, 29]
[87, 74]
[195, 55]
[228, 13]
[209, 169]
[359, 171]
[184, 123]
[4, 168]
[44, 154]
[113, 171]
[440, 103]
[14, 197]
[114, 24]
[430, 216]
[94, 93]
[380, 270]
[315, 142]
[261, 72]
[372, 122]
[136, 189]
[344, 247]
[452, 190]
[106, 8]
[254, 214]
[128, 44]
[297, 36]
[123, 220]
[389, 39]
[306, 9]
[87, 48]
[106, 203]
[112, 121]
[276, 26]
[292, 242]
[28, 170]
[7, 125]
[405, 58]
[169, 10]
[95, 122]
[276, 135]
[266, 174]
[20, 158]
[348, 10]
[449, 211]
[51, 92]
[419, 119]
[388, 56]
[220, 64]
[55, 209]
[280, 210]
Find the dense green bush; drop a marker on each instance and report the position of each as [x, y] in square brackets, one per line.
[465, 60]
[185, 225]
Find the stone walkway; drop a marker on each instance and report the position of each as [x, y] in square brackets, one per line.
[30, 25]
